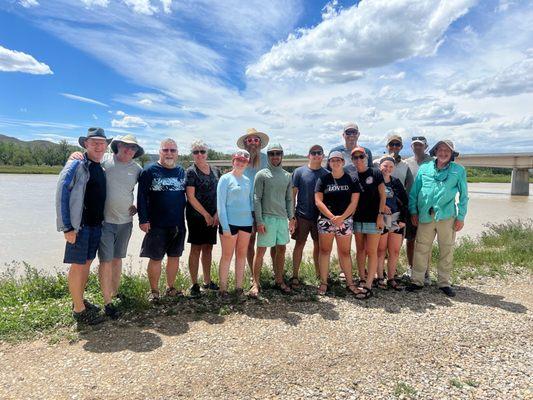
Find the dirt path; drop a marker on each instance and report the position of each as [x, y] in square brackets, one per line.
[423, 345]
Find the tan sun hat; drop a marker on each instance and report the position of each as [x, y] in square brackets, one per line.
[253, 132]
[129, 139]
[449, 144]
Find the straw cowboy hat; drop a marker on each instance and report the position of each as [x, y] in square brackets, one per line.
[253, 132]
[129, 139]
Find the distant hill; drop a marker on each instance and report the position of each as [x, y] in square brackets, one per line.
[29, 143]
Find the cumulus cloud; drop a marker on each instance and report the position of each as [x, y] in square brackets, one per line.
[17, 61]
[394, 77]
[350, 41]
[28, 3]
[129, 121]
[513, 80]
[440, 114]
[141, 6]
[523, 124]
[99, 3]
[83, 99]
[146, 102]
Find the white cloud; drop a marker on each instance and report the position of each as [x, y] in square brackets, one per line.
[28, 3]
[83, 99]
[167, 6]
[173, 123]
[141, 6]
[394, 77]
[120, 113]
[513, 80]
[353, 40]
[17, 61]
[129, 121]
[525, 123]
[92, 3]
[441, 114]
[95, 117]
[146, 102]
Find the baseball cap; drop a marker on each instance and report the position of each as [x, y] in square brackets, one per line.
[358, 149]
[351, 126]
[419, 139]
[393, 138]
[336, 154]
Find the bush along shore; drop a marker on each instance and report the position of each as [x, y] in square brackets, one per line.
[34, 304]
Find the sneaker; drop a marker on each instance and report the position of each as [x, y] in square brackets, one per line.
[413, 287]
[112, 311]
[448, 291]
[153, 297]
[210, 286]
[88, 317]
[195, 290]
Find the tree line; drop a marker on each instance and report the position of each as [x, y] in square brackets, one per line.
[22, 154]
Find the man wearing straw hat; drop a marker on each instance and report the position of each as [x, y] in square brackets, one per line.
[253, 141]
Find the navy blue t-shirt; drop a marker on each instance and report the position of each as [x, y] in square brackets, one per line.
[161, 196]
[304, 179]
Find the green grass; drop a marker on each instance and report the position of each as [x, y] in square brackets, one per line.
[404, 390]
[30, 169]
[34, 304]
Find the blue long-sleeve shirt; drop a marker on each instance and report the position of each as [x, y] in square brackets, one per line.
[234, 201]
[161, 196]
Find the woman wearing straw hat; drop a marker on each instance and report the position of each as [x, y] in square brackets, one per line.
[253, 141]
[201, 212]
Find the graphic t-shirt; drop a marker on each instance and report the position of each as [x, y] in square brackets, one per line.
[205, 189]
[337, 192]
[368, 206]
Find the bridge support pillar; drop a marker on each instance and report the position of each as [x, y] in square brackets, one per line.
[520, 182]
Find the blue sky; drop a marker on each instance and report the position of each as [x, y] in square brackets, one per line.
[295, 69]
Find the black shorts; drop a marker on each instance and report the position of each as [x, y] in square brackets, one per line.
[398, 232]
[410, 230]
[160, 241]
[199, 232]
[234, 229]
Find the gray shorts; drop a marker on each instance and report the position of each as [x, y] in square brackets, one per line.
[114, 241]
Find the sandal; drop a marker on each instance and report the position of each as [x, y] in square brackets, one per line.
[393, 284]
[322, 292]
[294, 283]
[352, 289]
[254, 292]
[173, 292]
[381, 283]
[361, 282]
[364, 293]
[282, 287]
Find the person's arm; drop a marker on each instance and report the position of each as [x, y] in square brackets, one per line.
[66, 182]
[409, 179]
[413, 198]
[142, 199]
[258, 197]
[463, 201]
[319, 202]
[295, 185]
[351, 207]
[382, 199]
[222, 194]
[289, 205]
[404, 202]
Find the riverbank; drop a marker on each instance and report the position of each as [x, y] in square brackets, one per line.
[37, 305]
[31, 169]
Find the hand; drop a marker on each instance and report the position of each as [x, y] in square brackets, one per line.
[414, 220]
[401, 224]
[132, 210]
[261, 229]
[70, 236]
[208, 220]
[337, 221]
[226, 233]
[145, 227]
[216, 221]
[379, 222]
[387, 210]
[292, 225]
[77, 155]
[458, 225]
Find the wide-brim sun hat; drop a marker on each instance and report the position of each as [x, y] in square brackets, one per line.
[447, 142]
[94, 133]
[129, 139]
[253, 132]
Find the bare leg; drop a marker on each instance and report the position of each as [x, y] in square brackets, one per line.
[382, 251]
[228, 247]
[297, 257]
[240, 257]
[279, 264]
[410, 250]
[116, 274]
[105, 276]
[207, 258]
[258, 263]
[371, 247]
[154, 273]
[194, 260]
[361, 255]
[173, 264]
[345, 260]
[316, 253]
[326, 244]
[77, 280]
[251, 251]
[394, 245]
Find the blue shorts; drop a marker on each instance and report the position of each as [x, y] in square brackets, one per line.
[369, 228]
[84, 249]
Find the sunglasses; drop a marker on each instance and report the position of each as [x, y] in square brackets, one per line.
[253, 140]
[275, 153]
[196, 152]
[169, 150]
[359, 157]
[351, 132]
[395, 144]
[316, 153]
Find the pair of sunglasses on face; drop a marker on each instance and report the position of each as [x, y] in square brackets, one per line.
[359, 157]
[253, 140]
[196, 152]
[316, 153]
[169, 150]
[275, 153]
[395, 144]
[351, 132]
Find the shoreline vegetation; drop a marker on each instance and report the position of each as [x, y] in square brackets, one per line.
[36, 305]
[474, 175]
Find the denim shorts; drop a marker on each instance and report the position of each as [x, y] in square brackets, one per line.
[114, 241]
[84, 249]
[369, 228]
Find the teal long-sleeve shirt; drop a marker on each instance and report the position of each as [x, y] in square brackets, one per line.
[272, 193]
[437, 189]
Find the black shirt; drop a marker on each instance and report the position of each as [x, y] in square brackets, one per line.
[205, 189]
[94, 199]
[368, 206]
[337, 192]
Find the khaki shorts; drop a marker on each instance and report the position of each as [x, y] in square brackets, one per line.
[304, 227]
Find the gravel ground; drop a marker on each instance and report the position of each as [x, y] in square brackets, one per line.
[396, 345]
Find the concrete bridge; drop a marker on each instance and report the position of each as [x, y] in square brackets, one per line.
[520, 163]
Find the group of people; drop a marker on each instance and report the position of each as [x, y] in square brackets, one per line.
[255, 206]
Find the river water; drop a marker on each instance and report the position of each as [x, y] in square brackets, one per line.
[27, 217]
